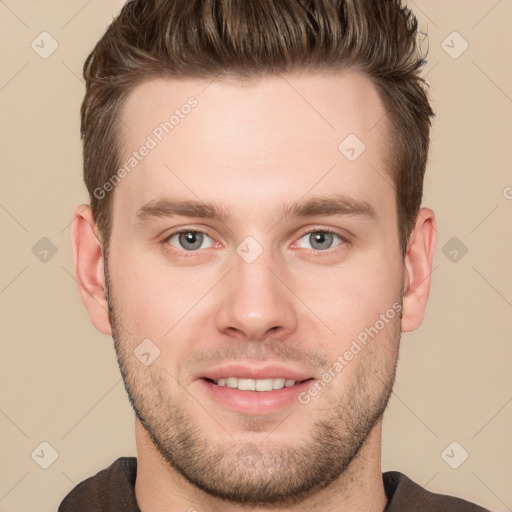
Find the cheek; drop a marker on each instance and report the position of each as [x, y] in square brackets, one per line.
[146, 298]
[163, 304]
[361, 359]
[352, 296]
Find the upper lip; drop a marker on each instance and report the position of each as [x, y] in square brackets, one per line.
[251, 372]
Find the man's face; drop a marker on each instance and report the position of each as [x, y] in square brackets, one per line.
[256, 294]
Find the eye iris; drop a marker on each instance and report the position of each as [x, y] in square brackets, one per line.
[191, 237]
[195, 238]
[320, 237]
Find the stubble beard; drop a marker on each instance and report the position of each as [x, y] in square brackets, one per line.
[262, 473]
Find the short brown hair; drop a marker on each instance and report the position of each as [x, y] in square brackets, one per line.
[250, 39]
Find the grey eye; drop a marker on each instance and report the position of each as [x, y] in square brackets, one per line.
[320, 240]
[189, 240]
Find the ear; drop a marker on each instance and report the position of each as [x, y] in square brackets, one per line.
[417, 269]
[89, 267]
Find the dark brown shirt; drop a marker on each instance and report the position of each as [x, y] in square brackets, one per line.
[113, 490]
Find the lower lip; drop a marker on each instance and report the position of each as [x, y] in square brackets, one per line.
[254, 402]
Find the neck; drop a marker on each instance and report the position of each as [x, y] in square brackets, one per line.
[160, 488]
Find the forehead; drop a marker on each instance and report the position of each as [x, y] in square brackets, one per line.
[265, 140]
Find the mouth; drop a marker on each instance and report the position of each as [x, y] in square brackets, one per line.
[260, 385]
[255, 390]
[256, 397]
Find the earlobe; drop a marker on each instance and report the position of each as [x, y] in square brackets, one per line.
[418, 268]
[89, 267]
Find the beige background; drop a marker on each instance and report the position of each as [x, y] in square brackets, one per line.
[59, 379]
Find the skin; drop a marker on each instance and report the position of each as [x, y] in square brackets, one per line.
[255, 147]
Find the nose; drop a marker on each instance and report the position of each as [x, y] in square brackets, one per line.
[256, 302]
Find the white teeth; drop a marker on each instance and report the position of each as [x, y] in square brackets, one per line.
[279, 383]
[247, 384]
[254, 384]
[232, 382]
[264, 384]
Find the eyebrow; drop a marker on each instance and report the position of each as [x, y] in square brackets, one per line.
[331, 205]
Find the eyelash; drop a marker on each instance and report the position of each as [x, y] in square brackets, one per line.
[187, 254]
